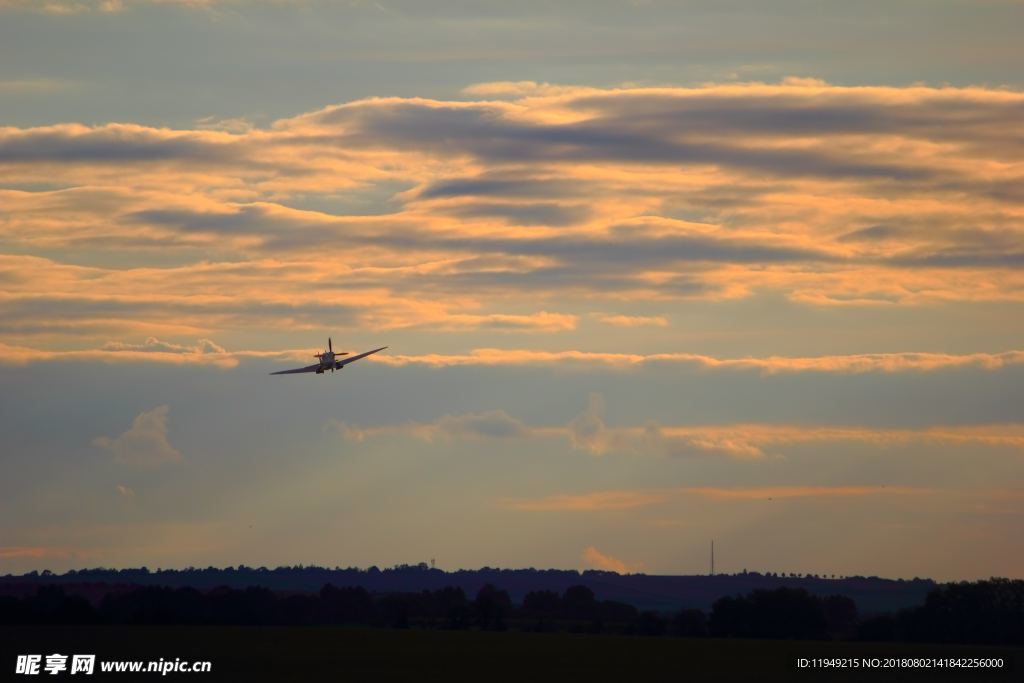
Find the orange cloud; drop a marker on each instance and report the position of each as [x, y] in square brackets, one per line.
[634, 320]
[595, 559]
[603, 501]
[847, 364]
[117, 352]
[542, 321]
[589, 502]
[1011, 435]
[744, 441]
[772, 492]
[14, 552]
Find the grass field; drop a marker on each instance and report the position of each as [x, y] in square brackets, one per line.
[258, 653]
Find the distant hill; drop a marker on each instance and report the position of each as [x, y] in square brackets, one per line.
[645, 591]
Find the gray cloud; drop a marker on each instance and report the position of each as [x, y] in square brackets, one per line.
[39, 313]
[875, 233]
[588, 430]
[941, 116]
[145, 443]
[482, 132]
[961, 258]
[503, 186]
[523, 214]
[242, 220]
[112, 144]
[626, 247]
[493, 424]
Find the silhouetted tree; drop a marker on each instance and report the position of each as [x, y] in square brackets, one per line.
[690, 623]
[349, 605]
[614, 612]
[491, 607]
[451, 605]
[580, 607]
[840, 616]
[883, 627]
[980, 612]
[578, 603]
[779, 613]
[395, 610]
[13, 611]
[542, 607]
[649, 624]
[51, 605]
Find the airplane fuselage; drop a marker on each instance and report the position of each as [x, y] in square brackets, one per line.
[327, 360]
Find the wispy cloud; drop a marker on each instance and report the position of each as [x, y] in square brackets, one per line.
[845, 364]
[35, 552]
[33, 84]
[495, 424]
[633, 320]
[70, 7]
[590, 432]
[152, 351]
[590, 502]
[610, 501]
[783, 492]
[202, 352]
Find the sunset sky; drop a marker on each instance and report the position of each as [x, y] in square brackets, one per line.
[650, 273]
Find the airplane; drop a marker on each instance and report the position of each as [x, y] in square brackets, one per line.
[328, 361]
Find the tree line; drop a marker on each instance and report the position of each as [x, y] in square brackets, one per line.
[980, 612]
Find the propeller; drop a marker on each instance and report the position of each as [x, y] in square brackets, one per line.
[330, 349]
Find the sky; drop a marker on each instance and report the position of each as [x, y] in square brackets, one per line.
[650, 274]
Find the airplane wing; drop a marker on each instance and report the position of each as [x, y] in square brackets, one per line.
[338, 364]
[341, 363]
[308, 368]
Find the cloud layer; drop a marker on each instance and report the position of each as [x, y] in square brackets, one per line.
[516, 215]
[591, 433]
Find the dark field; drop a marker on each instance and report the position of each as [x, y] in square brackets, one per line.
[262, 653]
